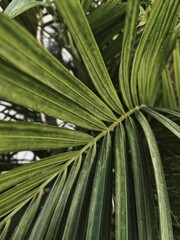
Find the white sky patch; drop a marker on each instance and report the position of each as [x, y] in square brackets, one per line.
[47, 18]
[25, 157]
[47, 31]
[60, 123]
[66, 56]
[2, 115]
[2, 108]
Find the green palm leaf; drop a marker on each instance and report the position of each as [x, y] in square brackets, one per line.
[176, 58]
[150, 56]
[27, 218]
[26, 190]
[98, 221]
[163, 201]
[17, 7]
[168, 111]
[110, 177]
[74, 216]
[48, 208]
[86, 4]
[22, 136]
[126, 55]
[5, 230]
[49, 71]
[25, 172]
[173, 127]
[140, 183]
[169, 96]
[121, 185]
[62, 204]
[43, 99]
[80, 29]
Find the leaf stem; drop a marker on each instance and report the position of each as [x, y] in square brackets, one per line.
[110, 128]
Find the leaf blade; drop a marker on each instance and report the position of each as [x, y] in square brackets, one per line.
[153, 51]
[73, 219]
[11, 198]
[25, 172]
[42, 222]
[4, 233]
[163, 202]
[121, 203]
[80, 29]
[169, 97]
[26, 220]
[17, 7]
[127, 48]
[33, 94]
[96, 228]
[176, 59]
[144, 206]
[86, 4]
[16, 136]
[175, 112]
[17, 43]
[60, 208]
[172, 126]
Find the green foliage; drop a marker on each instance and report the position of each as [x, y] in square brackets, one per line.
[17, 7]
[115, 173]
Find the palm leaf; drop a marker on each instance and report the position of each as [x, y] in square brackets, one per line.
[86, 4]
[143, 205]
[45, 216]
[126, 55]
[26, 190]
[49, 101]
[163, 201]
[104, 25]
[98, 221]
[5, 230]
[27, 19]
[81, 32]
[25, 172]
[49, 71]
[174, 112]
[57, 218]
[150, 56]
[23, 136]
[15, 7]
[27, 218]
[121, 188]
[74, 216]
[173, 127]
[169, 96]
[176, 58]
[109, 176]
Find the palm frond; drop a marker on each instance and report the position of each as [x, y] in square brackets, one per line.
[15, 7]
[121, 184]
[23, 136]
[27, 218]
[49, 71]
[150, 56]
[163, 201]
[169, 96]
[176, 58]
[115, 174]
[90, 53]
[127, 48]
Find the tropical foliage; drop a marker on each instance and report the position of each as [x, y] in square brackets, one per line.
[103, 123]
